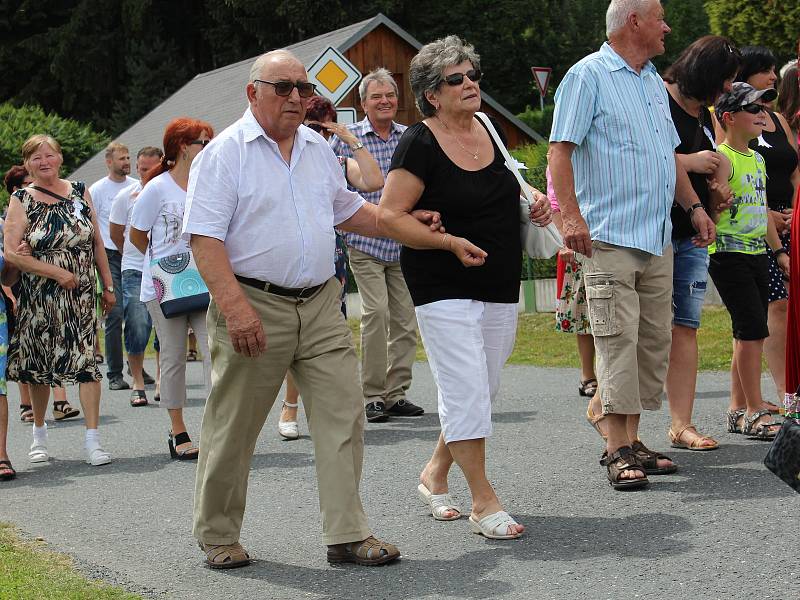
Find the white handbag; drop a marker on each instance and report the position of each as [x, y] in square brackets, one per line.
[537, 242]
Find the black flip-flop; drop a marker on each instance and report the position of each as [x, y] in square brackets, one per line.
[585, 386]
[7, 476]
[138, 398]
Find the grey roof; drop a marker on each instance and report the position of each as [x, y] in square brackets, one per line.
[226, 87]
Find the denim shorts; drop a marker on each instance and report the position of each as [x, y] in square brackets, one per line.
[137, 319]
[689, 282]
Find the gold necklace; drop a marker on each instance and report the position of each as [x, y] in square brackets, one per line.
[463, 147]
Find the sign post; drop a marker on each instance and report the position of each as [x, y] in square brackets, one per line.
[541, 75]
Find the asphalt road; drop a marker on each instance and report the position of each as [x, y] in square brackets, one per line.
[722, 527]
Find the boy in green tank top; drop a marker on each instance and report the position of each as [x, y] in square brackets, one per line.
[738, 261]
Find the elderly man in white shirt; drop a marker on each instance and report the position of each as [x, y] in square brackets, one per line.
[263, 200]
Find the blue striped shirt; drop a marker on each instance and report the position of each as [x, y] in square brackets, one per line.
[381, 150]
[624, 160]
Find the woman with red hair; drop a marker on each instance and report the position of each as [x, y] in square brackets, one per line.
[156, 224]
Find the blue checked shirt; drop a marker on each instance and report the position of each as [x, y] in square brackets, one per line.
[381, 248]
[624, 160]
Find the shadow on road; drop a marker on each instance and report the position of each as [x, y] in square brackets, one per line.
[469, 575]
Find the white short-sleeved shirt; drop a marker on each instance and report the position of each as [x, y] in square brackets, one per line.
[103, 193]
[121, 212]
[159, 210]
[276, 219]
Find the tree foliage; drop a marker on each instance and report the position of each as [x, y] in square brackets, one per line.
[79, 141]
[771, 23]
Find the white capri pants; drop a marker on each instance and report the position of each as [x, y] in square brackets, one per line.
[467, 343]
[172, 337]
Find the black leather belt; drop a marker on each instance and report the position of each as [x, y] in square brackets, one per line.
[271, 288]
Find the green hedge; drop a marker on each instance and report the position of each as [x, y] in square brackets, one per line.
[79, 141]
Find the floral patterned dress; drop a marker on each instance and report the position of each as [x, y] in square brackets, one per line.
[54, 341]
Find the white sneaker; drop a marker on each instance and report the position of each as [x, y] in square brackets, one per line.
[38, 453]
[288, 430]
[97, 457]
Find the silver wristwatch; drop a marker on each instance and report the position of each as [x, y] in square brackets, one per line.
[356, 146]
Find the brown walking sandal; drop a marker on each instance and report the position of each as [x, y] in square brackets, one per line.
[649, 460]
[369, 552]
[26, 413]
[696, 443]
[63, 410]
[225, 556]
[620, 461]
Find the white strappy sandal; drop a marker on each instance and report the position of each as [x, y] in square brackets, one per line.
[289, 429]
[97, 457]
[440, 504]
[494, 526]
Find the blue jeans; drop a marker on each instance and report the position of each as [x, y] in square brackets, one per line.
[689, 282]
[137, 319]
[113, 326]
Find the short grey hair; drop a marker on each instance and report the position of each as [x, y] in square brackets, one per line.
[258, 64]
[619, 11]
[379, 75]
[427, 67]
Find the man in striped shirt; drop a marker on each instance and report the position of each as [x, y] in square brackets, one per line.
[388, 322]
[612, 159]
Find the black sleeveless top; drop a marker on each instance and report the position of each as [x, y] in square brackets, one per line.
[482, 206]
[781, 161]
[696, 134]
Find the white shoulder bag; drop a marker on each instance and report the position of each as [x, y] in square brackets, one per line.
[537, 242]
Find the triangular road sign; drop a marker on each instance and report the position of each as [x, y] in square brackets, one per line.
[542, 77]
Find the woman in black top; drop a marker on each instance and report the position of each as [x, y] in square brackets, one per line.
[700, 74]
[778, 146]
[464, 283]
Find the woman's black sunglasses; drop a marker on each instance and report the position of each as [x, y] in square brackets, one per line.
[458, 78]
[202, 143]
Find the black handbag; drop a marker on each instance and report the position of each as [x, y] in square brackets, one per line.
[783, 457]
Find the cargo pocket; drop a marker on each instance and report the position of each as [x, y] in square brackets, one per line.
[600, 294]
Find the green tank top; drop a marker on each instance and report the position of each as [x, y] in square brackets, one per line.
[743, 227]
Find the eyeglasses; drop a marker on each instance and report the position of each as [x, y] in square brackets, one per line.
[752, 108]
[315, 127]
[284, 88]
[202, 143]
[458, 78]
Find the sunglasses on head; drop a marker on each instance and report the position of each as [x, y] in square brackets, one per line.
[751, 108]
[202, 143]
[284, 88]
[458, 78]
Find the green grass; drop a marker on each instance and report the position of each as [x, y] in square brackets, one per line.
[30, 572]
[539, 344]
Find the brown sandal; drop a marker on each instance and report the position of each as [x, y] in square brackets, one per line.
[696, 444]
[648, 459]
[63, 410]
[25, 413]
[225, 556]
[594, 421]
[369, 552]
[620, 461]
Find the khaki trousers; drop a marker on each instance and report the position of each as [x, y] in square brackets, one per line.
[310, 338]
[388, 328]
[630, 307]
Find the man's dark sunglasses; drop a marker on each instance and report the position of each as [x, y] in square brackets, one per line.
[458, 78]
[315, 127]
[202, 143]
[284, 88]
[752, 108]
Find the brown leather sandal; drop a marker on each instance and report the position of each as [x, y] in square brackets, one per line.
[225, 556]
[620, 461]
[649, 459]
[25, 413]
[63, 410]
[369, 552]
[594, 421]
[696, 444]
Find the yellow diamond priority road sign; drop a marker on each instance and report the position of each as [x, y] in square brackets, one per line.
[333, 74]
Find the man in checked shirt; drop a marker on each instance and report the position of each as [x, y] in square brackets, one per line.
[388, 323]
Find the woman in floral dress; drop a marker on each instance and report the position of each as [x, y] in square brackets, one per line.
[54, 343]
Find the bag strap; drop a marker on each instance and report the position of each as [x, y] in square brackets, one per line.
[49, 193]
[510, 162]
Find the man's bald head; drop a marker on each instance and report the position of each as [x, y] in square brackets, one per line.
[264, 63]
